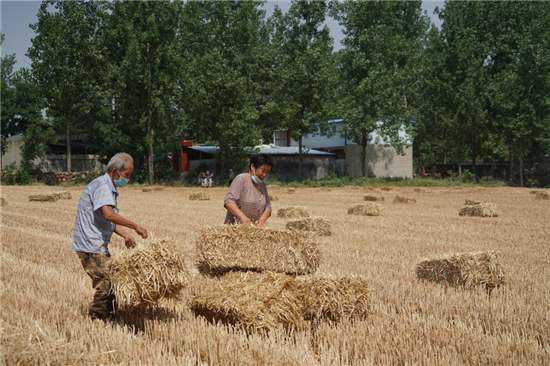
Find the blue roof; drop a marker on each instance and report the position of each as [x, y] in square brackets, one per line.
[266, 149]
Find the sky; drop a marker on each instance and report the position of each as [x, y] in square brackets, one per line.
[17, 15]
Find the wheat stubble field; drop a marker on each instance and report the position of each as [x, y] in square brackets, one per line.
[44, 291]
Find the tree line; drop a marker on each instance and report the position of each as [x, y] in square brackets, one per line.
[141, 76]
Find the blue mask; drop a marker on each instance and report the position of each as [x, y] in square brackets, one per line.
[255, 179]
[121, 182]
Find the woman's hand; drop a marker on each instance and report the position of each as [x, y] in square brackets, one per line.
[245, 220]
[264, 217]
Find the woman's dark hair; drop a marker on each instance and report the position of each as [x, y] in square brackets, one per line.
[261, 159]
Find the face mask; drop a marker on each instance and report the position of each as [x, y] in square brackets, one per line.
[255, 179]
[121, 181]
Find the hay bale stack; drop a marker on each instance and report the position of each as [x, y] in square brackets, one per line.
[367, 188]
[4, 202]
[351, 187]
[367, 209]
[147, 274]
[481, 210]
[66, 195]
[273, 186]
[256, 301]
[226, 248]
[387, 189]
[542, 196]
[335, 297]
[372, 197]
[419, 190]
[293, 212]
[200, 196]
[472, 202]
[320, 225]
[273, 198]
[463, 269]
[43, 197]
[403, 199]
[291, 191]
[153, 189]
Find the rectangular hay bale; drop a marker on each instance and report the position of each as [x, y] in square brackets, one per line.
[199, 196]
[484, 209]
[320, 225]
[419, 190]
[43, 197]
[351, 187]
[371, 197]
[367, 209]
[367, 188]
[386, 188]
[291, 191]
[403, 199]
[463, 269]
[293, 212]
[65, 195]
[226, 248]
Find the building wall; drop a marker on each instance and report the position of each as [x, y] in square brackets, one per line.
[381, 161]
[13, 154]
[313, 168]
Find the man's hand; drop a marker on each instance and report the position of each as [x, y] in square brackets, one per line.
[129, 241]
[141, 231]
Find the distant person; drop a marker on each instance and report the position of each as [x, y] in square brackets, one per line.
[208, 179]
[208, 175]
[96, 220]
[231, 176]
[247, 200]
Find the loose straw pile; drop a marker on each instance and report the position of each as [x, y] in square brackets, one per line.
[386, 188]
[274, 186]
[463, 269]
[291, 191]
[367, 188]
[43, 197]
[351, 187]
[403, 199]
[542, 196]
[472, 202]
[273, 198]
[147, 274]
[153, 189]
[481, 210]
[65, 195]
[293, 212]
[419, 190]
[320, 225]
[226, 248]
[4, 202]
[200, 196]
[367, 209]
[371, 197]
[324, 189]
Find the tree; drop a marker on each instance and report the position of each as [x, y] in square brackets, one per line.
[305, 73]
[65, 56]
[378, 66]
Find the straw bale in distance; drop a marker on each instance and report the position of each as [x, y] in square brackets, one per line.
[153, 189]
[291, 191]
[419, 190]
[274, 186]
[200, 196]
[273, 198]
[367, 188]
[367, 209]
[293, 212]
[65, 195]
[403, 199]
[147, 274]
[386, 188]
[227, 248]
[533, 192]
[542, 196]
[481, 210]
[320, 225]
[257, 301]
[43, 197]
[351, 187]
[463, 269]
[472, 202]
[4, 202]
[335, 297]
[371, 197]
[324, 189]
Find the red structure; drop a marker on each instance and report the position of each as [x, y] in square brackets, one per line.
[180, 157]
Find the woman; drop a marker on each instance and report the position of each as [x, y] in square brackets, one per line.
[247, 200]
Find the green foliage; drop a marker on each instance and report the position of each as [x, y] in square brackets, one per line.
[9, 176]
[23, 176]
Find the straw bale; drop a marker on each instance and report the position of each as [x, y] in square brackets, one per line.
[335, 297]
[371, 197]
[227, 248]
[463, 269]
[4, 202]
[403, 199]
[320, 225]
[274, 186]
[153, 189]
[65, 195]
[367, 209]
[273, 198]
[351, 187]
[43, 197]
[199, 196]
[293, 212]
[367, 188]
[419, 190]
[387, 188]
[481, 210]
[534, 192]
[257, 301]
[542, 196]
[147, 274]
[472, 202]
[291, 191]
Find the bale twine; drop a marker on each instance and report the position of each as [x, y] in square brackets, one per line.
[43, 197]
[335, 297]
[371, 197]
[65, 195]
[274, 186]
[200, 196]
[542, 196]
[291, 191]
[387, 188]
[147, 274]
[472, 202]
[403, 199]
[463, 269]
[4, 202]
[153, 189]
[367, 209]
[320, 225]
[293, 212]
[419, 190]
[482, 210]
[226, 248]
[256, 301]
[273, 198]
[351, 187]
[367, 188]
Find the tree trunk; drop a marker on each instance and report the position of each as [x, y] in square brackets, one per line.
[521, 172]
[221, 157]
[458, 152]
[300, 158]
[474, 162]
[511, 157]
[364, 156]
[149, 130]
[68, 133]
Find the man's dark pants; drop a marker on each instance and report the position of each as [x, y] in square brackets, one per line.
[103, 304]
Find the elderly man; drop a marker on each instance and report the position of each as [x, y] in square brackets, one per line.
[96, 219]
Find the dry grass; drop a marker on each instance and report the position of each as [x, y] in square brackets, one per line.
[153, 189]
[226, 248]
[199, 196]
[387, 189]
[274, 186]
[273, 198]
[372, 197]
[52, 197]
[482, 210]
[542, 196]
[463, 269]
[147, 274]
[4, 202]
[403, 199]
[293, 212]
[318, 224]
[367, 209]
[291, 191]
[45, 290]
